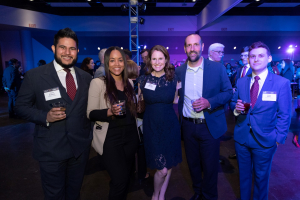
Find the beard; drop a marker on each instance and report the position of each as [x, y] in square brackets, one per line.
[59, 61]
[198, 55]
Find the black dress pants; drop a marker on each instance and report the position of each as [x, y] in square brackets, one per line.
[119, 150]
[62, 180]
[202, 153]
[12, 96]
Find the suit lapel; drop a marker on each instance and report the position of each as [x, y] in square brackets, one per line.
[247, 88]
[266, 87]
[51, 77]
[183, 74]
[206, 79]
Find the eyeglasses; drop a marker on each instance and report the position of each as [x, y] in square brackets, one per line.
[219, 52]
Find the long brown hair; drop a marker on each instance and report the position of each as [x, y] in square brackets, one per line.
[111, 89]
[85, 63]
[169, 68]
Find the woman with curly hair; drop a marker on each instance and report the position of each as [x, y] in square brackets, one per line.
[161, 127]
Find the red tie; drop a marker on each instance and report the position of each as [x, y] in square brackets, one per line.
[244, 71]
[254, 91]
[70, 83]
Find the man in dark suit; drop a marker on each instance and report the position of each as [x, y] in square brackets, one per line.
[205, 89]
[287, 69]
[245, 70]
[144, 54]
[11, 82]
[259, 130]
[62, 138]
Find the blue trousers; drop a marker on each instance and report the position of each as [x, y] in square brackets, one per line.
[12, 96]
[202, 153]
[252, 157]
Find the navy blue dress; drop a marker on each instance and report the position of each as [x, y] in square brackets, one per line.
[161, 128]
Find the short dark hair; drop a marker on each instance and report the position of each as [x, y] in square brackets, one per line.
[144, 50]
[193, 34]
[245, 49]
[260, 44]
[12, 61]
[128, 53]
[41, 62]
[65, 33]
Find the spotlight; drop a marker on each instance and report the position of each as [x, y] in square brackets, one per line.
[145, 47]
[121, 47]
[98, 48]
[291, 46]
[142, 7]
[142, 20]
[290, 50]
[124, 7]
[296, 46]
[234, 47]
[279, 47]
[194, 0]
[167, 48]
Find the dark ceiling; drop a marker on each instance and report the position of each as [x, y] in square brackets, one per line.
[153, 7]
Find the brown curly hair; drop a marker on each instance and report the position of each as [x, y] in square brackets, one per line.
[169, 68]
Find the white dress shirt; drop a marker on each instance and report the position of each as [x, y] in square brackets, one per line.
[261, 81]
[62, 74]
[248, 67]
[193, 90]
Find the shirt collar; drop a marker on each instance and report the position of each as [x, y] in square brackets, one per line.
[210, 59]
[58, 67]
[195, 69]
[262, 75]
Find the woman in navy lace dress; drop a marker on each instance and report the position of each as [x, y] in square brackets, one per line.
[161, 126]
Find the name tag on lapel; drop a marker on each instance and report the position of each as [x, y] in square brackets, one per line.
[269, 96]
[51, 94]
[150, 86]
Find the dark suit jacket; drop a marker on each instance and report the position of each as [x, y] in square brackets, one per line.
[239, 73]
[11, 78]
[216, 89]
[269, 120]
[62, 139]
[288, 73]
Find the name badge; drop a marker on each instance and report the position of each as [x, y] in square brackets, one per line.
[51, 94]
[150, 86]
[178, 85]
[269, 96]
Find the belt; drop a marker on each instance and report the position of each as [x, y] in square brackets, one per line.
[195, 120]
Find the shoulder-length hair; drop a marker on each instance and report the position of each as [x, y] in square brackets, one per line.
[111, 89]
[85, 63]
[132, 69]
[169, 68]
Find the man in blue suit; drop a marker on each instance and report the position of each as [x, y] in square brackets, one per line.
[245, 70]
[259, 131]
[205, 89]
[11, 83]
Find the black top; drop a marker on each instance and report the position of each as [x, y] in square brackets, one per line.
[115, 120]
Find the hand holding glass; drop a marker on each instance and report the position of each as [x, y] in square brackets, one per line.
[122, 105]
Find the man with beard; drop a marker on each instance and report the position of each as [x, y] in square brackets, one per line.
[62, 134]
[205, 89]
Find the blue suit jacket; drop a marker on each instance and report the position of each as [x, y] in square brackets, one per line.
[61, 139]
[239, 73]
[216, 89]
[269, 120]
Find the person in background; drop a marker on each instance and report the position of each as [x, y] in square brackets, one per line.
[229, 71]
[128, 54]
[216, 52]
[118, 135]
[41, 63]
[87, 65]
[144, 55]
[274, 67]
[160, 125]
[245, 69]
[287, 69]
[11, 82]
[100, 72]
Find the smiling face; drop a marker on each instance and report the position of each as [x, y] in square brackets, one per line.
[259, 60]
[91, 64]
[244, 57]
[158, 61]
[115, 64]
[65, 52]
[193, 48]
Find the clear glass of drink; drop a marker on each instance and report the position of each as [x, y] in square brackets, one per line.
[61, 105]
[122, 104]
